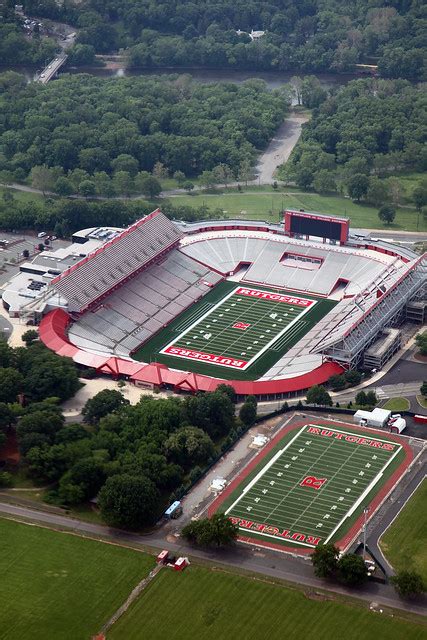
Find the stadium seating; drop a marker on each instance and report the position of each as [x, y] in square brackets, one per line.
[266, 262]
[143, 305]
[90, 279]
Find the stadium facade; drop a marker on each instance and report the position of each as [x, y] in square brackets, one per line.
[114, 290]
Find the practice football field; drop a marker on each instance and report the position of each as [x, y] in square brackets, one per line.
[242, 326]
[311, 487]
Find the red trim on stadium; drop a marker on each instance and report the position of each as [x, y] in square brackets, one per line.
[53, 333]
[349, 535]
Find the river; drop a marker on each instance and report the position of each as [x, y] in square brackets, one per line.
[207, 76]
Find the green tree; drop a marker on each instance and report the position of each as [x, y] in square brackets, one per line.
[42, 178]
[248, 411]
[102, 404]
[29, 336]
[421, 342]
[179, 176]
[188, 186]
[352, 570]
[148, 185]
[324, 181]
[353, 377]
[318, 395]
[337, 383]
[371, 398]
[423, 389]
[207, 179]
[189, 446]
[408, 583]
[123, 183]
[325, 560]
[419, 197]
[217, 531]
[127, 501]
[357, 186]
[228, 390]
[378, 192]
[387, 213]
[63, 187]
[11, 383]
[87, 188]
[361, 398]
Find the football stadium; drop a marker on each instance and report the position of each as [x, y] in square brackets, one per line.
[270, 308]
[311, 484]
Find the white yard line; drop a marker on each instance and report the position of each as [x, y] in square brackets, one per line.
[256, 355]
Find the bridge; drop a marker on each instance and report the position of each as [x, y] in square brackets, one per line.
[52, 68]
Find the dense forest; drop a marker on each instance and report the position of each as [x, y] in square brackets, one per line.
[310, 35]
[367, 131]
[95, 130]
[136, 459]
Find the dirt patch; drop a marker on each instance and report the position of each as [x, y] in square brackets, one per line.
[419, 357]
[317, 595]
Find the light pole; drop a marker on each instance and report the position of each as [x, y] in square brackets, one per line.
[365, 516]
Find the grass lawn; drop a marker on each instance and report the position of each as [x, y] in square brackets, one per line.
[405, 542]
[397, 404]
[422, 401]
[56, 585]
[22, 196]
[268, 206]
[207, 605]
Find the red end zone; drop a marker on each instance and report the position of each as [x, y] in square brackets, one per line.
[349, 535]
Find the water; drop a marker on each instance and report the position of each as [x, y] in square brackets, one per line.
[207, 76]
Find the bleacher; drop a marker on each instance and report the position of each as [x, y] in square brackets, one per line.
[143, 305]
[83, 284]
[267, 267]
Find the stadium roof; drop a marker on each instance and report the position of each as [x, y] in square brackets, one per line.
[92, 277]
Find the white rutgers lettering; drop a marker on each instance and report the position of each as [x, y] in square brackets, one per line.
[206, 357]
[269, 295]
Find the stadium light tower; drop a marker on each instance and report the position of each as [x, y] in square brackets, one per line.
[365, 516]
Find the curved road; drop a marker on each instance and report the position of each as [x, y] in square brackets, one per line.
[281, 566]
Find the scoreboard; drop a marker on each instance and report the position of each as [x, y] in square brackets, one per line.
[314, 224]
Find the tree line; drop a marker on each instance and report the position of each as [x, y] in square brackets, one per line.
[306, 35]
[63, 217]
[359, 138]
[111, 133]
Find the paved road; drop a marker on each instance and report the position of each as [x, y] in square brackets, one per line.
[275, 565]
[280, 147]
[385, 516]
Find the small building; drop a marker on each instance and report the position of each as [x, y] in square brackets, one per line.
[377, 418]
[163, 557]
[181, 563]
[174, 511]
[397, 424]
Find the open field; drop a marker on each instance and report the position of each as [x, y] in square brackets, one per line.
[56, 585]
[214, 340]
[309, 485]
[208, 605]
[405, 542]
[255, 205]
[397, 404]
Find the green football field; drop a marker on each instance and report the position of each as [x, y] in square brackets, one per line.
[310, 488]
[235, 332]
[57, 585]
